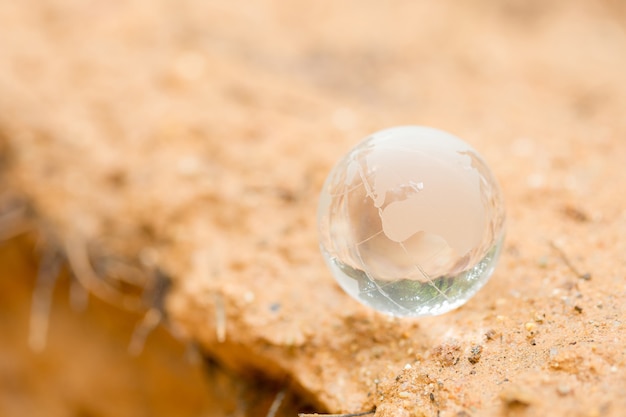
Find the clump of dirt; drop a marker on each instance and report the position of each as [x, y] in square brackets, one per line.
[192, 140]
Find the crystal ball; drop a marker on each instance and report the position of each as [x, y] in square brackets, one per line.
[411, 221]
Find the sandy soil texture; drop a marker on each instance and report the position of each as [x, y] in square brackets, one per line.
[188, 141]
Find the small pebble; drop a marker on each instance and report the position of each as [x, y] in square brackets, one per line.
[475, 354]
[490, 334]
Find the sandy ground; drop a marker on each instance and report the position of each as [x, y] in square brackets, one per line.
[189, 140]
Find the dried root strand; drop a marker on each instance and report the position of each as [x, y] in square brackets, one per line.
[49, 269]
[150, 321]
[278, 400]
[78, 258]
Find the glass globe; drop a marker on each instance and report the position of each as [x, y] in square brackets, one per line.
[411, 221]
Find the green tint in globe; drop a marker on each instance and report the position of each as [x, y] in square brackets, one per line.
[411, 222]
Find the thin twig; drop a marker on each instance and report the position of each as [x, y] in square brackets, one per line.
[278, 400]
[586, 276]
[365, 413]
[150, 321]
[42, 299]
